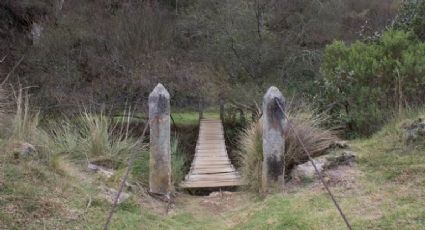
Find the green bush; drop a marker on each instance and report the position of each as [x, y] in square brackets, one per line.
[411, 17]
[366, 82]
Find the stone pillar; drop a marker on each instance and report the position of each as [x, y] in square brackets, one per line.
[273, 121]
[160, 151]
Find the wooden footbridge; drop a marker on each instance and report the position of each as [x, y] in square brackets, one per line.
[211, 166]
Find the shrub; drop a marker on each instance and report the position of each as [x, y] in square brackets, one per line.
[308, 127]
[411, 17]
[364, 83]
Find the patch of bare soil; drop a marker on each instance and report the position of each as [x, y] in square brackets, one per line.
[342, 176]
[218, 202]
[215, 203]
[158, 206]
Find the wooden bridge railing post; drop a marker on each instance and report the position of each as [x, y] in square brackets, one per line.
[221, 102]
[160, 151]
[201, 107]
[273, 122]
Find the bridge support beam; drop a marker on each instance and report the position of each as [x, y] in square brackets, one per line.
[273, 122]
[160, 151]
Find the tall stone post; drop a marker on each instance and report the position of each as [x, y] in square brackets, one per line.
[160, 151]
[273, 121]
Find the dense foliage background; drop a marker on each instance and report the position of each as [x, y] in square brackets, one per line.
[368, 82]
[104, 53]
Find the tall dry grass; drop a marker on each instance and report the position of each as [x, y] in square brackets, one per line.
[307, 126]
[24, 122]
[251, 154]
[95, 137]
[87, 138]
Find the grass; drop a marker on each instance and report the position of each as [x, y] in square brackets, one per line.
[192, 118]
[180, 117]
[140, 170]
[387, 192]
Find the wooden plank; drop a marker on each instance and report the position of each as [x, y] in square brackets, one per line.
[210, 142]
[211, 150]
[211, 166]
[206, 160]
[211, 147]
[211, 178]
[213, 158]
[210, 159]
[200, 164]
[222, 166]
[211, 184]
[209, 155]
[217, 176]
[224, 163]
[212, 171]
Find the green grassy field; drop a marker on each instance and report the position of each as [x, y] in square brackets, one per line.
[189, 118]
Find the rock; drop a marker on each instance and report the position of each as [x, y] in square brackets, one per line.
[415, 131]
[92, 167]
[340, 144]
[220, 194]
[111, 194]
[27, 149]
[24, 150]
[306, 171]
[343, 158]
[273, 122]
[101, 170]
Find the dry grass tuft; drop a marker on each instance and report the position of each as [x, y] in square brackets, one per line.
[316, 139]
[251, 153]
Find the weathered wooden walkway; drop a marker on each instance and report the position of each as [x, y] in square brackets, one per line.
[211, 166]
